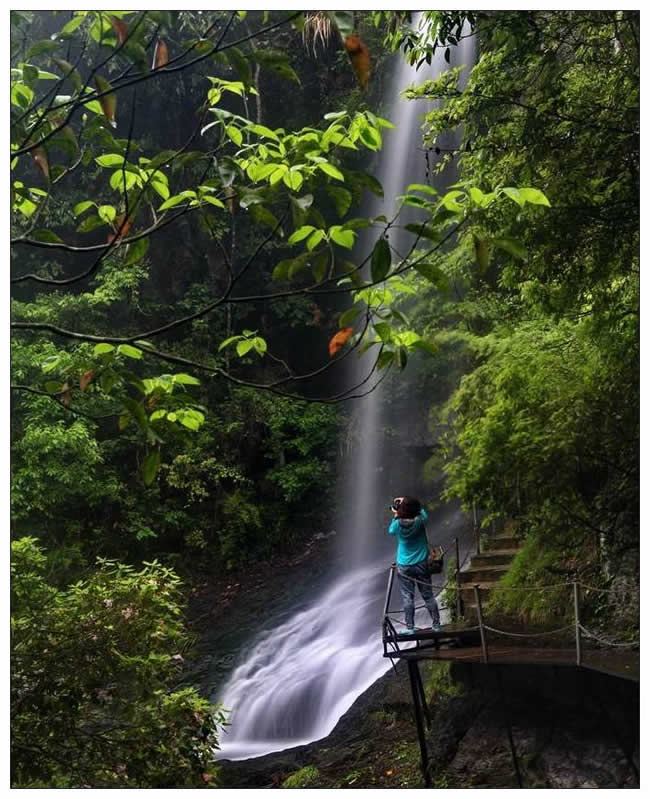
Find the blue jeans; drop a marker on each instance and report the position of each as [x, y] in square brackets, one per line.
[406, 576]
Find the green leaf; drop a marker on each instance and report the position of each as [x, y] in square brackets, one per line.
[46, 235]
[349, 316]
[335, 115]
[511, 246]
[263, 216]
[331, 170]
[150, 467]
[177, 199]
[49, 364]
[264, 132]
[112, 159]
[186, 380]
[103, 348]
[90, 223]
[229, 341]
[300, 234]
[293, 179]
[421, 187]
[190, 422]
[136, 251]
[234, 134]
[44, 46]
[342, 199]
[81, 207]
[387, 357]
[384, 331]
[70, 27]
[129, 351]
[244, 347]
[345, 238]
[433, 274]
[315, 239]
[380, 260]
[534, 196]
[304, 202]
[106, 213]
[514, 194]
[423, 231]
[343, 20]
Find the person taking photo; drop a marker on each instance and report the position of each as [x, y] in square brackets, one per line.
[408, 526]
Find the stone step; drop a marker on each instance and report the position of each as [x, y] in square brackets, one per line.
[483, 574]
[467, 592]
[502, 557]
[502, 542]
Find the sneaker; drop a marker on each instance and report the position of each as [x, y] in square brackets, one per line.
[435, 628]
[409, 631]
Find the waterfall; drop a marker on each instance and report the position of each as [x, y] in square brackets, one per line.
[299, 678]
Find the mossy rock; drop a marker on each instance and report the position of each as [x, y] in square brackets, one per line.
[307, 777]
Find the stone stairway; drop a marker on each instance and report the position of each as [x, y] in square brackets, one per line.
[486, 569]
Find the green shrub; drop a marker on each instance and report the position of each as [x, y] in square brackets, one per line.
[95, 696]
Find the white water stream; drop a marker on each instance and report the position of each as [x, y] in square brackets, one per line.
[299, 679]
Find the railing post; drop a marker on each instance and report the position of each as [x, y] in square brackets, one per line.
[389, 588]
[459, 601]
[477, 537]
[576, 610]
[479, 612]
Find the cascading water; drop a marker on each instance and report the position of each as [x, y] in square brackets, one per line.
[300, 678]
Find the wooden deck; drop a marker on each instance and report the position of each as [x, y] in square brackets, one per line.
[459, 645]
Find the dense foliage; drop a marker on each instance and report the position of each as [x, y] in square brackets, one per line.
[190, 289]
[545, 425]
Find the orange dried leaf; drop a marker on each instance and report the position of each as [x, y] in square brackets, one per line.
[338, 340]
[85, 378]
[122, 226]
[120, 28]
[160, 55]
[108, 102]
[39, 155]
[360, 58]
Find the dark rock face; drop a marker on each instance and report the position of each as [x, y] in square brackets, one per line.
[571, 729]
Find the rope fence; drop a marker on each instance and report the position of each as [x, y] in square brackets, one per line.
[621, 645]
[577, 627]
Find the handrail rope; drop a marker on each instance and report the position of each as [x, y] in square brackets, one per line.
[528, 635]
[590, 634]
[593, 588]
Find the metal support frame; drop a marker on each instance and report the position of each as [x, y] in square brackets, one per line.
[479, 612]
[459, 601]
[508, 726]
[576, 608]
[416, 683]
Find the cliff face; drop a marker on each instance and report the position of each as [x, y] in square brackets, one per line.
[570, 729]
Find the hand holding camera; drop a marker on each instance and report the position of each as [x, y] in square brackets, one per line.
[394, 506]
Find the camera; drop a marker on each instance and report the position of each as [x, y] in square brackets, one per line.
[394, 505]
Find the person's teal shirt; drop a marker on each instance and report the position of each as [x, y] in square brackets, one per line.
[411, 539]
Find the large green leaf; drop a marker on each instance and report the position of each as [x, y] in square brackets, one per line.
[380, 260]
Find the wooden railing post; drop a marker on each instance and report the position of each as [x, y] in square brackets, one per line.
[459, 601]
[576, 610]
[479, 612]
